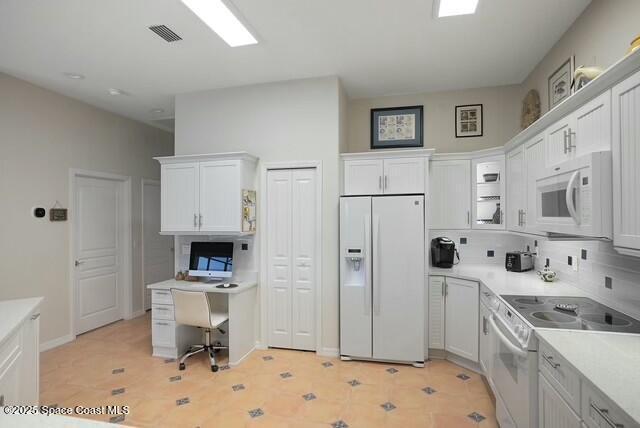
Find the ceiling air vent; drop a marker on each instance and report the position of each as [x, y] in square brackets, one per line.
[165, 32]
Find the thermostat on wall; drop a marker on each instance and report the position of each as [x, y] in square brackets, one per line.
[58, 214]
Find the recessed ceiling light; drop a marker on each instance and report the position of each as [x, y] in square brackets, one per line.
[156, 111]
[455, 7]
[220, 19]
[116, 91]
[74, 76]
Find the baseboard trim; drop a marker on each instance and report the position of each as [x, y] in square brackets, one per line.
[235, 363]
[137, 314]
[54, 343]
[260, 345]
[328, 352]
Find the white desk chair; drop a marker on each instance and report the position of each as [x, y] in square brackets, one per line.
[194, 308]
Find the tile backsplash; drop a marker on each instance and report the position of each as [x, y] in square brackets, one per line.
[611, 278]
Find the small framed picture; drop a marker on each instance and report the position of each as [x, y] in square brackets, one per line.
[560, 82]
[396, 127]
[469, 121]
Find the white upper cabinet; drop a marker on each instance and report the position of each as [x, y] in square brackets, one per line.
[593, 126]
[516, 189]
[363, 177]
[180, 197]
[202, 194]
[586, 130]
[488, 188]
[220, 195]
[389, 172]
[403, 175]
[533, 164]
[450, 189]
[626, 165]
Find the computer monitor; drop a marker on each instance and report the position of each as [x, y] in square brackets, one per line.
[211, 259]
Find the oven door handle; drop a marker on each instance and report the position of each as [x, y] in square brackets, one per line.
[513, 348]
[569, 199]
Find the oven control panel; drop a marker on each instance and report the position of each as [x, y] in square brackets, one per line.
[520, 330]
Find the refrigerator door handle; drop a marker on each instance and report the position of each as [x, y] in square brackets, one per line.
[365, 265]
[375, 250]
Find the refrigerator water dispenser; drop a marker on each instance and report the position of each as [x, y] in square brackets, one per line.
[355, 274]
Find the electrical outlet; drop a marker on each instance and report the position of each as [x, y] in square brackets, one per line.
[570, 260]
[608, 282]
[463, 241]
[583, 254]
[490, 253]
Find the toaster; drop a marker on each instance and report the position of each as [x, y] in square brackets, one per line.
[518, 261]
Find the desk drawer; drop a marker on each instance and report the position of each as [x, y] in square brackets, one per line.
[564, 378]
[162, 312]
[163, 333]
[161, 297]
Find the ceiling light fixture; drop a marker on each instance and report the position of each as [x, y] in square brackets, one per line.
[446, 8]
[74, 76]
[220, 19]
[116, 91]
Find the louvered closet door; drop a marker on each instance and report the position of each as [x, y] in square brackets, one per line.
[291, 241]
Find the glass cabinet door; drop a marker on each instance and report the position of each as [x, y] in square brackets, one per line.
[488, 193]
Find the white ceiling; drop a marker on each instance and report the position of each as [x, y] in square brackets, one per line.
[377, 47]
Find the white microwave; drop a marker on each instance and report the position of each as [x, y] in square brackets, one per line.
[574, 198]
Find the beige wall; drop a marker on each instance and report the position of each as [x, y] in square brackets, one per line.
[42, 135]
[600, 36]
[501, 112]
[285, 121]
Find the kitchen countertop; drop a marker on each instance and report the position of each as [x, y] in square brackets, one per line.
[14, 312]
[202, 286]
[499, 281]
[608, 360]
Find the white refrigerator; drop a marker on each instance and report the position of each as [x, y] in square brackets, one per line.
[382, 278]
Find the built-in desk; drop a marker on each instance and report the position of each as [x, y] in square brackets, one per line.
[171, 340]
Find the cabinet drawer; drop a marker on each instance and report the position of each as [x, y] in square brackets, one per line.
[597, 411]
[560, 374]
[161, 297]
[162, 312]
[163, 333]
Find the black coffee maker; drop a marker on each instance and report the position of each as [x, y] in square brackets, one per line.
[443, 251]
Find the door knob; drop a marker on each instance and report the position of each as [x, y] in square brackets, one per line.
[78, 263]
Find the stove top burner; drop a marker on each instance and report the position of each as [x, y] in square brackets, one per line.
[553, 317]
[606, 319]
[530, 300]
[552, 312]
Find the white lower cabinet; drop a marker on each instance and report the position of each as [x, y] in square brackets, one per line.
[553, 410]
[485, 342]
[597, 411]
[436, 312]
[454, 316]
[169, 339]
[19, 365]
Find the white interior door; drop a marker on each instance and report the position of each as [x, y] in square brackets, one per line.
[99, 223]
[398, 278]
[157, 249]
[303, 216]
[291, 258]
[279, 257]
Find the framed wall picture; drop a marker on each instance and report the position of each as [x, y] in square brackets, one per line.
[396, 127]
[469, 121]
[559, 85]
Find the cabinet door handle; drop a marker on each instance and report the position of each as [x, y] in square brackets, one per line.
[35, 316]
[604, 414]
[195, 220]
[161, 309]
[162, 323]
[380, 182]
[524, 217]
[386, 181]
[485, 329]
[2, 400]
[200, 220]
[564, 140]
[570, 145]
[468, 217]
[549, 360]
